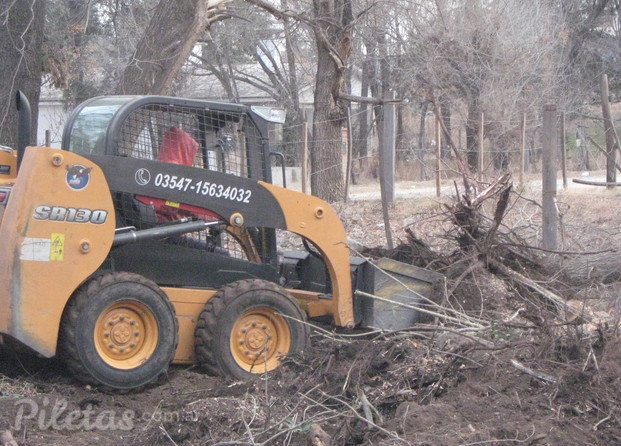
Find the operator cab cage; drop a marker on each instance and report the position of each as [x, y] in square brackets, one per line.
[217, 137]
[231, 138]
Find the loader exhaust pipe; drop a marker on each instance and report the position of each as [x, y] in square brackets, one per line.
[24, 125]
[133, 236]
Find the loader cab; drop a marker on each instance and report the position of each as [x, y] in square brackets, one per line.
[159, 155]
[231, 138]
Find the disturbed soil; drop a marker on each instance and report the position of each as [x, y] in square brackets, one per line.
[524, 375]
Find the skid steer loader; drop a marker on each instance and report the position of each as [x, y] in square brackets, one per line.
[152, 237]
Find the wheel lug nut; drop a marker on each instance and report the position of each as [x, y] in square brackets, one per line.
[132, 323]
[269, 338]
[247, 352]
[111, 346]
[244, 330]
[264, 327]
[122, 350]
[111, 323]
[106, 334]
[136, 333]
[254, 324]
[122, 318]
[241, 342]
[132, 345]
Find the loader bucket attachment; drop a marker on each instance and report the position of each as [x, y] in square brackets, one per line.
[399, 295]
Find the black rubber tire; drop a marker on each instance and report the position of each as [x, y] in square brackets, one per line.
[222, 311]
[77, 333]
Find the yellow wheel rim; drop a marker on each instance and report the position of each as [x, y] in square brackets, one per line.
[259, 339]
[126, 334]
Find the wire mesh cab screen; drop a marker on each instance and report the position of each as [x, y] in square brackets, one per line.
[228, 138]
[208, 135]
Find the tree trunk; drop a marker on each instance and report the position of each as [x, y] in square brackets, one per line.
[21, 39]
[445, 111]
[326, 149]
[421, 140]
[472, 132]
[173, 30]
[333, 36]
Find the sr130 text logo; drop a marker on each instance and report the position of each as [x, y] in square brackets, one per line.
[71, 215]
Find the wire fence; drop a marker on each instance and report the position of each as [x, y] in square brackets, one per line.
[584, 139]
[504, 147]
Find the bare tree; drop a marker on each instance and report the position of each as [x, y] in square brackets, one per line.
[500, 57]
[273, 58]
[21, 38]
[173, 30]
[332, 24]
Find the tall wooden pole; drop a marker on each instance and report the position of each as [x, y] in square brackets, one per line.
[304, 137]
[387, 162]
[349, 154]
[387, 154]
[611, 173]
[550, 163]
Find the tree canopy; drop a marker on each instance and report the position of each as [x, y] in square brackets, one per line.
[500, 58]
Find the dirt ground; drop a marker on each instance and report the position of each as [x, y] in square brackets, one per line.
[515, 380]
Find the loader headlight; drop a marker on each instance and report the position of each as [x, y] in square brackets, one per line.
[271, 114]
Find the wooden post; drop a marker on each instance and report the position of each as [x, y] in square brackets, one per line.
[480, 154]
[304, 138]
[387, 155]
[48, 138]
[522, 149]
[611, 173]
[438, 155]
[349, 153]
[563, 151]
[549, 147]
[387, 163]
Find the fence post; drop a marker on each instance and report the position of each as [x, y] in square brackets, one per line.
[387, 162]
[611, 172]
[387, 155]
[304, 139]
[549, 147]
[349, 153]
